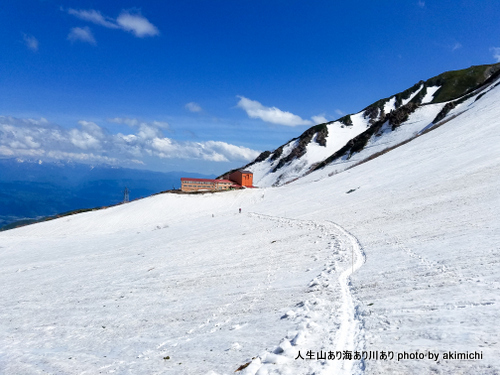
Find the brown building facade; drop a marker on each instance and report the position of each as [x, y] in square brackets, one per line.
[243, 178]
[205, 184]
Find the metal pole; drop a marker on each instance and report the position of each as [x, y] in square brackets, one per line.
[126, 195]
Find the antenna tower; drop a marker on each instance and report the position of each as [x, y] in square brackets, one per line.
[126, 195]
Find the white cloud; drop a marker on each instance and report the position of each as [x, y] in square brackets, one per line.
[270, 114]
[146, 130]
[81, 34]
[211, 150]
[456, 46]
[90, 142]
[83, 140]
[6, 151]
[161, 124]
[133, 22]
[31, 42]
[128, 121]
[136, 24]
[339, 112]
[193, 107]
[319, 119]
[84, 157]
[91, 136]
[94, 16]
[421, 4]
[496, 53]
[231, 151]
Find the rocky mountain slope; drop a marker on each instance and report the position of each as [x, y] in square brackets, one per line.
[376, 129]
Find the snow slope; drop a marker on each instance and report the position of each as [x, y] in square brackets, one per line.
[338, 135]
[177, 284]
[382, 125]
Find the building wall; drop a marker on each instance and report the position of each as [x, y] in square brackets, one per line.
[247, 179]
[242, 178]
[195, 185]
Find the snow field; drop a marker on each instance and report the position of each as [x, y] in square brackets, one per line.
[207, 292]
[429, 96]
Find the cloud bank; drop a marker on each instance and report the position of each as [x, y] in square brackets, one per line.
[272, 115]
[89, 142]
[130, 21]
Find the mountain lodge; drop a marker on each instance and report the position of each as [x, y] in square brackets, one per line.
[235, 180]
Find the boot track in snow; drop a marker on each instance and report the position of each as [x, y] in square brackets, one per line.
[328, 320]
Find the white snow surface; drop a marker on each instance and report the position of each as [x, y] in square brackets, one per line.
[338, 135]
[399, 254]
[430, 94]
[390, 105]
[406, 101]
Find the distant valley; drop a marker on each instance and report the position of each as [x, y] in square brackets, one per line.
[30, 189]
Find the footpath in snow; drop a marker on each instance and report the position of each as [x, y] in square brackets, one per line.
[326, 322]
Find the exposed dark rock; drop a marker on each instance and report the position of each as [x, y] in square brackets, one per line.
[277, 153]
[479, 96]
[457, 83]
[400, 115]
[407, 94]
[442, 114]
[375, 111]
[321, 132]
[346, 120]
[321, 135]
[242, 367]
[263, 156]
[417, 99]
[356, 144]
[371, 113]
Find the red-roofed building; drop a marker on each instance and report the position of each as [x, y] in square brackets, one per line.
[206, 184]
[235, 180]
[243, 178]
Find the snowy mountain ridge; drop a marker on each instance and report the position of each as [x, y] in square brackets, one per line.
[379, 127]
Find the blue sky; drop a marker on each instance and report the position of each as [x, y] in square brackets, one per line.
[204, 86]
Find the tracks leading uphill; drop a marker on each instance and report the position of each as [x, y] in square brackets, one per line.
[326, 321]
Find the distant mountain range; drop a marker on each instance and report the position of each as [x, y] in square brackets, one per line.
[30, 189]
[378, 128]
